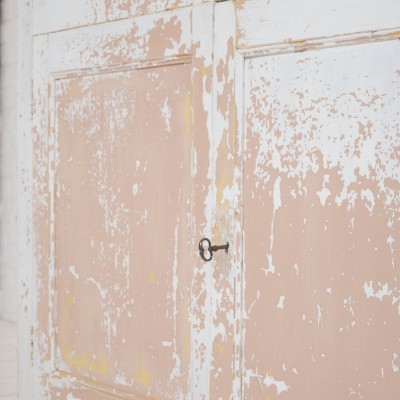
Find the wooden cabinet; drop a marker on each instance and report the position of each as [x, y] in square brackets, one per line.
[271, 126]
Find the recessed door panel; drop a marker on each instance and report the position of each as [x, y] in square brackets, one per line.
[321, 223]
[122, 228]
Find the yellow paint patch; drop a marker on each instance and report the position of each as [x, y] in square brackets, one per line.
[186, 345]
[70, 300]
[299, 43]
[217, 233]
[238, 4]
[394, 34]
[188, 116]
[222, 349]
[84, 362]
[100, 366]
[143, 377]
[203, 71]
[151, 277]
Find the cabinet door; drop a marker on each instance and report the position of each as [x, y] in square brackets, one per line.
[317, 92]
[122, 120]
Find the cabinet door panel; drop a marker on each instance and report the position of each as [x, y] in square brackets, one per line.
[122, 114]
[122, 221]
[321, 223]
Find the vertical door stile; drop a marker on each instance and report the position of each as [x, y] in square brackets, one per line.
[41, 341]
[26, 265]
[203, 208]
[239, 239]
[52, 161]
[225, 273]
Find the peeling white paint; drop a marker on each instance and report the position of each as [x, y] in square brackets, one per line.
[395, 367]
[252, 305]
[369, 198]
[280, 302]
[72, 270]
[122, 379]
[336, 149]
[390, 240]
[382, 292]
[103, 292]
[277, 194]
[296, 268]
[176, 372]
[135, 189]
[319, 315]
[166, 113]
[323, 195]
[280, 386]
[348, 305]
[277, 204]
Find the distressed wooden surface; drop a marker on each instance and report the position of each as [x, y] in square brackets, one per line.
[122, 156]
[317, 89]
[265, 124]
[27, 267]
[52, 16]
[123, 190]
[150, 37]
[225, 272]
[321, 224]
[266, 22]
[56, 15]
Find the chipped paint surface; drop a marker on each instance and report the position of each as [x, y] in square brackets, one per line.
[111, 137]
[222, 162]
[189, 121]
[56, 15]
[145, 39]
[321, 222]
[267, 22]
[121, 181]
[116, 9]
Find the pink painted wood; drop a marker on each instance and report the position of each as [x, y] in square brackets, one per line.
[255, 123]
[121, 140]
